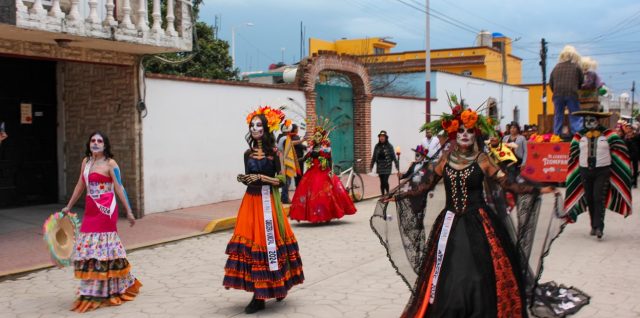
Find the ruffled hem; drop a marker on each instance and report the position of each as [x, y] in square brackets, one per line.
[86, 303]
[102, 246]
[247, 268]
[101, 270]
[106, 288]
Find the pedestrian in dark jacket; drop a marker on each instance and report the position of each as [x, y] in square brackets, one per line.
[383, 157]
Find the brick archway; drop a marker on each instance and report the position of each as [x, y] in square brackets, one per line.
[350, 66]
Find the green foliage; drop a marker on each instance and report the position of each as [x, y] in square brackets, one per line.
[210, 57]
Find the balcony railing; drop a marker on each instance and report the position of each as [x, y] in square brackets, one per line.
[116, 20]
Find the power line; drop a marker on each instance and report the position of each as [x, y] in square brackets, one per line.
[443, 18]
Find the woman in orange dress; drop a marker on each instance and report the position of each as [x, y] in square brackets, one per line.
[100, 259]
[263, 251]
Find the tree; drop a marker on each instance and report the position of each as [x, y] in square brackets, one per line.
[209, 59]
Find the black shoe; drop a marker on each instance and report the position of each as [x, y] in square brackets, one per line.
[279, 299]
[593, 232]
[599, 234]
[254, 306]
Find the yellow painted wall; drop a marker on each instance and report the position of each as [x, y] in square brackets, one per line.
[316, 45]
[350, 46]
[535, 101]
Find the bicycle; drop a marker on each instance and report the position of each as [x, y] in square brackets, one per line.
[351, 180]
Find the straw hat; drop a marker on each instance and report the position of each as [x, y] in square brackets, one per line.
[60, 232]
[591, 113]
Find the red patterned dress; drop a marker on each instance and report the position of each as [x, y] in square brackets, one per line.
[100, 259]
[320, 197]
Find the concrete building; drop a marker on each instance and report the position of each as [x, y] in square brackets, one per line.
[484, 60]
[68, 68]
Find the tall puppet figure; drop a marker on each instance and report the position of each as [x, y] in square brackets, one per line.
[599, 175]
[263, 252]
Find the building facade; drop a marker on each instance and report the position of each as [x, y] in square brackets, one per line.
[69, 68]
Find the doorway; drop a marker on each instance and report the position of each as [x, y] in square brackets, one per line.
[28, 108]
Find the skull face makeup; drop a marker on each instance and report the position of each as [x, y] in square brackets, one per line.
[317, 137]
[96, 144]
[466, 137]
[590, 122]
[256, 128]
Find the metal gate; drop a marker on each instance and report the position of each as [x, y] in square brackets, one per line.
[336, 103]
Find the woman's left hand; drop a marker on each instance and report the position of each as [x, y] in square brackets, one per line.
[131, 219]
[548, 189]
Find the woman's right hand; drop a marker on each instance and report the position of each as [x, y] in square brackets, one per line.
[65, 210]
[548, 189]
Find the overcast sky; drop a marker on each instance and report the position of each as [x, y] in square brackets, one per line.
[607, 30]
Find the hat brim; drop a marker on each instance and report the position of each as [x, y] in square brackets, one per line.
[60, 236]
[584, 113]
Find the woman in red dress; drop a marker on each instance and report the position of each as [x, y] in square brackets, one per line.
[320, 196]
[100, 259]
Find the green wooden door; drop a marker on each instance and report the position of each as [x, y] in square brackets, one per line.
[336, 103]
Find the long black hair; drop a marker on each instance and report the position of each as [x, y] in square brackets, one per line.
[268, 141]
[107, 145]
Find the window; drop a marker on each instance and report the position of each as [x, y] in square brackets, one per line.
[492, 108]
[378, 50]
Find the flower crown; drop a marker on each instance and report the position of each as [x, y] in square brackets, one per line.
[324, 127]
[460, 117]
[274, 116]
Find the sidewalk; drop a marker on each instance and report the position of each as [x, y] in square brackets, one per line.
[22, 248]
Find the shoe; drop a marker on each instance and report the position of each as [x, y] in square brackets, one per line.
[599, 234]
[593, 232]
[279, 299]
[254, 306]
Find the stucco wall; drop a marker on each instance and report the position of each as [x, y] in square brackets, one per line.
[193, 139]
[476, 91]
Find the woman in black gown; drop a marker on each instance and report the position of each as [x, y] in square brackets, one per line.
[470, 266]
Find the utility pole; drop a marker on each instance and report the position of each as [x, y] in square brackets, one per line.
[633, 94]
[543, 66]
[427, 67]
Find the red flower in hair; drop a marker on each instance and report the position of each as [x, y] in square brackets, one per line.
[457, 110]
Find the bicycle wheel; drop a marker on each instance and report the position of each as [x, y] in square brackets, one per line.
[357, 188]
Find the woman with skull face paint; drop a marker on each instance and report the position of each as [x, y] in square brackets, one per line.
[469, 266]
[320, 196]
[599, 175]
[100, 260]
[263, 251]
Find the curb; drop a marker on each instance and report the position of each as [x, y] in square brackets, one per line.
[223, 224]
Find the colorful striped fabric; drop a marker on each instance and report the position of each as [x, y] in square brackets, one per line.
[619, 195]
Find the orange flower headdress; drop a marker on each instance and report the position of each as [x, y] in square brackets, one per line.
[274, 116]
[460, 117]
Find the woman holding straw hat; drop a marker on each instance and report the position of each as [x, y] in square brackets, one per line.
[100, 259]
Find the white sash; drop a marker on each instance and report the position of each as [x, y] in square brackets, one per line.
[105, 210]
[270, 235]
[442, 246]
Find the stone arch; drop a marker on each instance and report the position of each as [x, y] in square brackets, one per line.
[354, 69]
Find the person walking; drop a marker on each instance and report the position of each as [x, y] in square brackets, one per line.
[599, 175]
[565, 80]
[100, 260]
[383, 157]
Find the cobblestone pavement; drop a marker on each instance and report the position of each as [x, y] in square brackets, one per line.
[347, 275]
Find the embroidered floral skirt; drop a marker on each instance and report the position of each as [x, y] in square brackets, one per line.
[247, 267]
[100, 262]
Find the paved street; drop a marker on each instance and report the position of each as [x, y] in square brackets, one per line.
[347, 275]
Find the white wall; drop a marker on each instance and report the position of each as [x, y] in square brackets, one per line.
[402, 119]
[477, 91]
[193, 135]
[193, 140]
